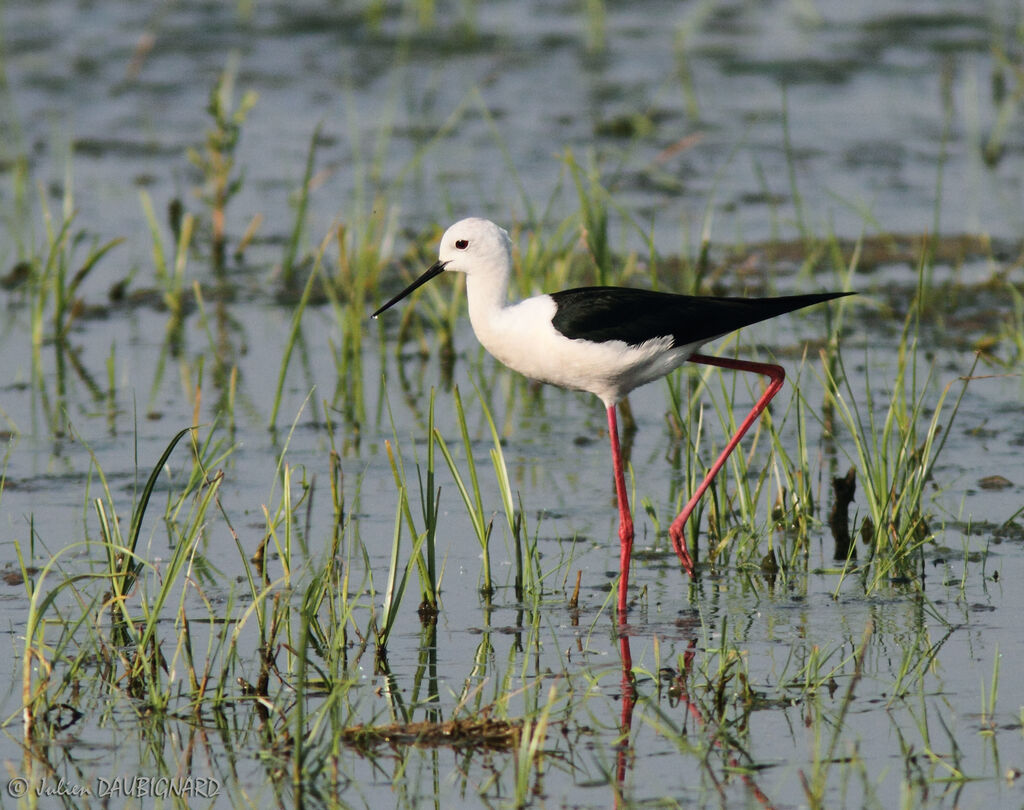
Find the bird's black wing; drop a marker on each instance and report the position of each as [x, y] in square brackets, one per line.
[633, 316]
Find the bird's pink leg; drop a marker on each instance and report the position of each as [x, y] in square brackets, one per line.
[625, 518]
[778, 376]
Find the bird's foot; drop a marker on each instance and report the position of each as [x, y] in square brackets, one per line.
[679, 545]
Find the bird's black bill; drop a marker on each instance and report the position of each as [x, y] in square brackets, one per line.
[434, 270]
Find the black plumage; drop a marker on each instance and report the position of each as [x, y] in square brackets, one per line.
[634, 316]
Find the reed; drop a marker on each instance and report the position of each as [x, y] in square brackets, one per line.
[294, 336]
[361, 260]
[895, 457]
[170, 277]
[425, 561]
[289, 260]
[528, 755]
[987, 721]
[216, 161]
[53, 286]
[594, 217]
[470, 492]
[525, 557]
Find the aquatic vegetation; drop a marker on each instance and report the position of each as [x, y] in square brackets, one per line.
[318, 602]
[260, 566]
[216, 161]
[170, 274]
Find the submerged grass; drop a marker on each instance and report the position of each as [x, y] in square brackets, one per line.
[896, 446]
[423, 554]
[287, 647]
[216, 160]
[300, 677]
[269, 653]
[470, 493]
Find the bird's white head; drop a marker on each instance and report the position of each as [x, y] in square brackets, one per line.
[474, 246]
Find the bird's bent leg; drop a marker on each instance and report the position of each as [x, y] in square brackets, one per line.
[625, 518]
[777, 375]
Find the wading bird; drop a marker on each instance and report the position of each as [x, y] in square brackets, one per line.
[605, 340]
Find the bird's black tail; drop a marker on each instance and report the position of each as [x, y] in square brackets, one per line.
[721, 315]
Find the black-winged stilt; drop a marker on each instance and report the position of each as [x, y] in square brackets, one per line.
[605, 340]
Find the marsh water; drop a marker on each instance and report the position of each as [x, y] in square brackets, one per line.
[800, 140]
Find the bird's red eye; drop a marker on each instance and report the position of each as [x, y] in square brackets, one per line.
[462, 244]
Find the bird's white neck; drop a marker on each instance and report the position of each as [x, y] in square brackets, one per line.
[487, 297]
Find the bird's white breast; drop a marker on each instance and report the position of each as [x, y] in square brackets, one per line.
[521, 336]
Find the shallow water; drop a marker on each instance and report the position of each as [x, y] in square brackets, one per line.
[884, 112]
